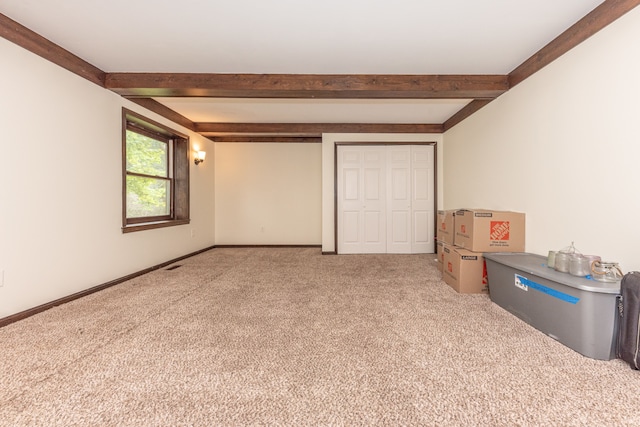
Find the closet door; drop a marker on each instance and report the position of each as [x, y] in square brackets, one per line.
[361, 199]
[399, 195]
[385, 199]
[422, 199]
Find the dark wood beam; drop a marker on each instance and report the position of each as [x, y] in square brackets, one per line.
[277, 139]
[164, 111]
[35, 43]
[481, 88]
[338, 86]
[603, 15]
[465, 112]
[311, 129]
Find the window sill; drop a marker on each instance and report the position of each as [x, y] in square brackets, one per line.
[152, 225]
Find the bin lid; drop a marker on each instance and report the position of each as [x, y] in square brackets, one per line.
[537, 265]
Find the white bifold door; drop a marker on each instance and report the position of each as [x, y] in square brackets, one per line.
[385, 199]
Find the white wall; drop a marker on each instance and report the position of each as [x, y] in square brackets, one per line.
[268, 193]
[328, 172]
[563, 147]
[61, 187]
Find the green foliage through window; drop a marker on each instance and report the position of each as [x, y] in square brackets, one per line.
[148, 184]
[146, 155]
[155, 174]
[147, 197]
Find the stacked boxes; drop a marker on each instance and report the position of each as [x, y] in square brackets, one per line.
[444, 233]
[446, 226]
[476, 231]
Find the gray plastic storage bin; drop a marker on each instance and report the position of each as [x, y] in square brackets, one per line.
[580, 313]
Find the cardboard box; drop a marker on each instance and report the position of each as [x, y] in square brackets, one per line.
[464, 271]
[446, 226]
[440, 254]
[481, 230]
[439, 251]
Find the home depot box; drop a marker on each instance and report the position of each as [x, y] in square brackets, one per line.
[464, 271]
[480, 230]
[446, 226]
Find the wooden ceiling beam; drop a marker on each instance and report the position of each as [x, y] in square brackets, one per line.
[465, 112]
[164, 111]
[35, 43]
[265, 139]
[482, 88]
[311, 129]
[337, 86]
[603, 15]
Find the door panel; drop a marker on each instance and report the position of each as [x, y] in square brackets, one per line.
[423, 194]
[351, 222]
[421, 234]
[372, 228]
[373, 206]
[351, 184]
[349, 201]
[401, 223]
[399, 199]
[372, 184]
[361, 199]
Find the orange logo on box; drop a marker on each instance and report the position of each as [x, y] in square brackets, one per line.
[485, 276]
[499, 230]
[444, 225]
[450, 267]
[463, 228]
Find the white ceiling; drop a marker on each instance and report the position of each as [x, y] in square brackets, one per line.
[303, 37]
[234, 110]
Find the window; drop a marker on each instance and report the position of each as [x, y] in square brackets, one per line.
[155, 178]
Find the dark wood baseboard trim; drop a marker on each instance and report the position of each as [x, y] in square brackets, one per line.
[278, 246]
[39, 309]
[266, 246]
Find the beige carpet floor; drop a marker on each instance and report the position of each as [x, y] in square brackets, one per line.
[289, 337]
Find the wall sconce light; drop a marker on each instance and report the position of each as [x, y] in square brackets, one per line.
[200, 155]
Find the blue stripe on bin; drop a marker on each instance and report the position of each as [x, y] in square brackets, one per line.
[549, 291]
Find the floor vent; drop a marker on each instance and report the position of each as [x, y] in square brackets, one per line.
[173, 267]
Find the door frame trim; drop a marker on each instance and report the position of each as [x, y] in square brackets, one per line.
[371, 143]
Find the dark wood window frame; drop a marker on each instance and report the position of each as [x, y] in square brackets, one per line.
[179, 176]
